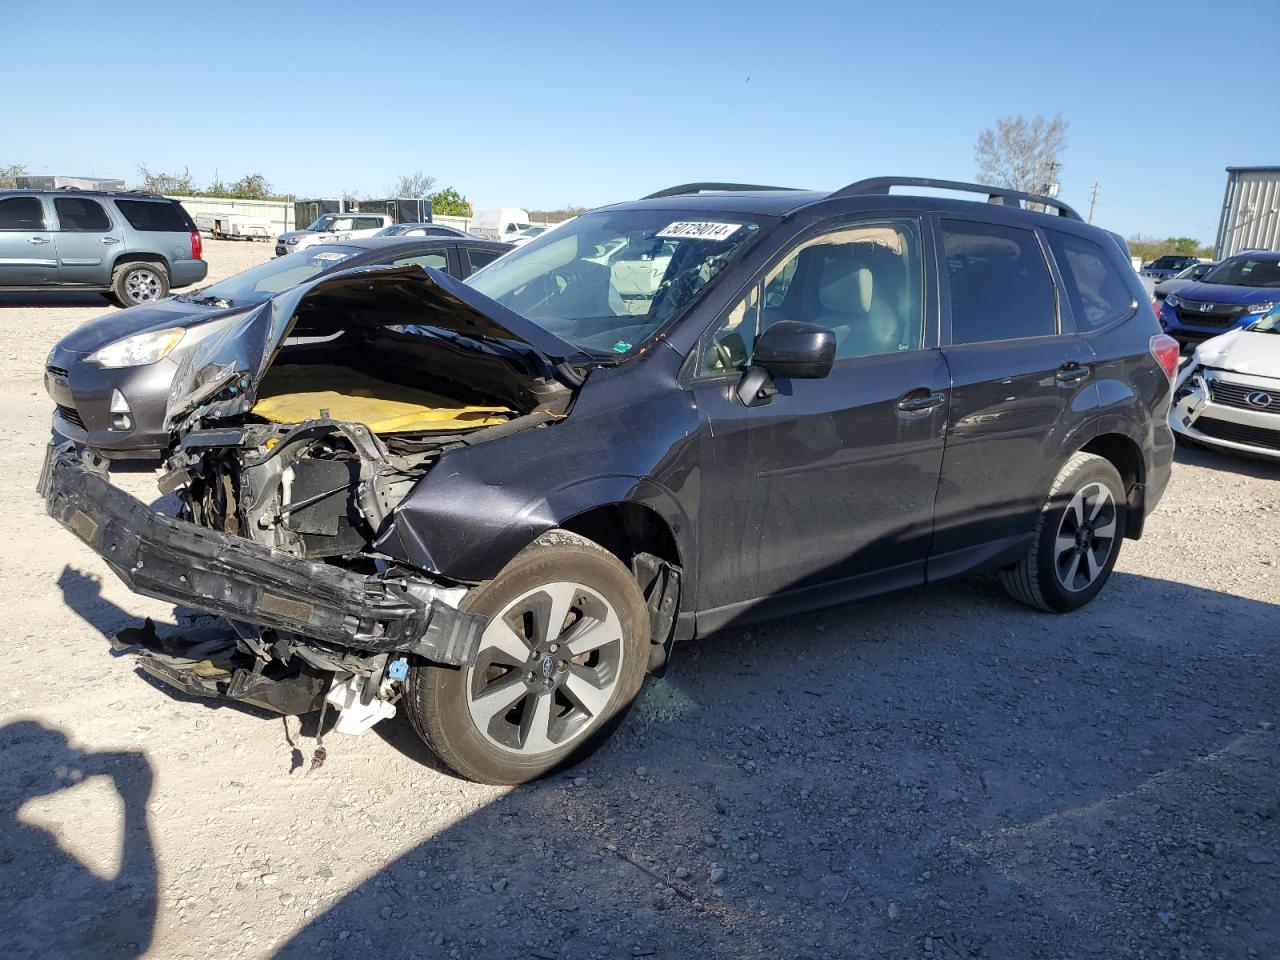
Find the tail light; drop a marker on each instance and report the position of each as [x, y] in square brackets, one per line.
[197, 246]
[1155, 306]
[1166, 351]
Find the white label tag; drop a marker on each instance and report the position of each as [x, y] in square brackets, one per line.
[699, 230]
[330, 255]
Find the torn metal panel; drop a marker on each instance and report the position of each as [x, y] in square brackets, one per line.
[224, 574]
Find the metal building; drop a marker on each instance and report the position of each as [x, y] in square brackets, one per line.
[1250, 211]
[35, 182]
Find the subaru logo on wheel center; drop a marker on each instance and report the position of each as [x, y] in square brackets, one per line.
[1259, 398]
[548, 667]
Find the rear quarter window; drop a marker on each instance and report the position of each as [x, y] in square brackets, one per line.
[1097, 293]
[156, 216]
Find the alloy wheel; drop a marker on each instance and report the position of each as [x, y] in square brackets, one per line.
[1086, 537]
[142, 286]
[547, 668]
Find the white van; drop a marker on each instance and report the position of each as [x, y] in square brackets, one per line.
[499, 223]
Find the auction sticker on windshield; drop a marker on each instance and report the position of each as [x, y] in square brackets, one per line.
[699, 230]
[330, 255]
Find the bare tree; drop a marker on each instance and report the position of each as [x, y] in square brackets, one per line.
[170, 183]
[9, 174]
[1019, 153]
[416, 184]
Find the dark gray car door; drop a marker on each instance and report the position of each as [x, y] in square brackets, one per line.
[832, 482]
[1016, 371]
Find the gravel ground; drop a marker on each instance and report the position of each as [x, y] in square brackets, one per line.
[935, 773]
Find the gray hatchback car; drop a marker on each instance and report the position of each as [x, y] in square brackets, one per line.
[131, 247]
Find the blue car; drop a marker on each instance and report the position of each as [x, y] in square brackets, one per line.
[1232, 295]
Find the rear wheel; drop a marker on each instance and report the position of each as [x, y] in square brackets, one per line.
[562, 658]
[135, 283]
[1077, 538]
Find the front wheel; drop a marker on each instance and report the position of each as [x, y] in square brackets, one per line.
[562, 658]
[1077, 538]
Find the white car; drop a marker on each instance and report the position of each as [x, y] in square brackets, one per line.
[524, 236]
[332, 228]
[1228, 393]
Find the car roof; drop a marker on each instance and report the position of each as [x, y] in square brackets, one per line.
[124, 194]
[870, 194]
[774, 203]
[385, 243]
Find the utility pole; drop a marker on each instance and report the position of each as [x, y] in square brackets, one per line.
[1093, 202]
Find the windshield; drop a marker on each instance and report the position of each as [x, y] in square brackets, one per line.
[607, 281]
[1246, 272]
[322, 224]
[1194, 272]
[263, 282]
[1269, 323]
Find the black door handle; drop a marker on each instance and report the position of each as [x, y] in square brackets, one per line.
[918, 400]
[1071, 373]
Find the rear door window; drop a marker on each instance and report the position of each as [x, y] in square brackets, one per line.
[1096, 291]
[81, 215]
[155, 216]
[481, 258]
[368, 223]
[21, 213]
[436, 259]
[999, 281]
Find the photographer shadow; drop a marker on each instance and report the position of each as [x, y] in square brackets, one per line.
[55, 905]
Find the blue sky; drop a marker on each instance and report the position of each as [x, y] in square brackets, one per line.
[543, 104]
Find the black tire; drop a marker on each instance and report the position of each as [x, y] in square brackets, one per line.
[139, 282]
[439, 700]
[1045, 578]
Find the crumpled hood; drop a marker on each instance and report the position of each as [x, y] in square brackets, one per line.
[229, 365]
[144, 318]
[1243, 351]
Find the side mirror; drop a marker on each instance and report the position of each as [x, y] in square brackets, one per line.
[789, 349]
[800, 351]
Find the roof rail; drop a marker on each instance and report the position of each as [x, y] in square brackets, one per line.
[686, 188]
[1002, 195]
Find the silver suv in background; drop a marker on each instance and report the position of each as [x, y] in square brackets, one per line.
[132, 247]
[333, 228]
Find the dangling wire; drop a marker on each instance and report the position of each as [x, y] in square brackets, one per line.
[318, 758]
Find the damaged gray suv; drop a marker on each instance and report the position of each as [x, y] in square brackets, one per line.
[495, 506]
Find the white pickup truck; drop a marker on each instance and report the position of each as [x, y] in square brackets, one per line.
[332, 228]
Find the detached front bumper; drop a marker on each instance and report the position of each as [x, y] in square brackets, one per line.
[158, 556]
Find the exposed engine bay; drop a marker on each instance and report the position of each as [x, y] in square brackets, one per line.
[294, 439]
[344, 425]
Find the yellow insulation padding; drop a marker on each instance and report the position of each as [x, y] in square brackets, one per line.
[297, 392]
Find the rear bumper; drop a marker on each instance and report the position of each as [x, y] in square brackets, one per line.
[159, 556]
[183, 273]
